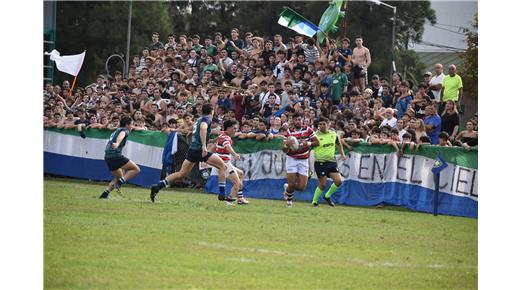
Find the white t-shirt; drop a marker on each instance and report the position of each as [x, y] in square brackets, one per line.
[435, 81]
[391, 122]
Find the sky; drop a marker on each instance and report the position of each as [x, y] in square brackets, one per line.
[450, 16]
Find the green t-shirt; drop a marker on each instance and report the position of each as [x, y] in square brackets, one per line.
[210, 67]
[451, 87]
[197, 48]
[212, 50]
[325, 151]
[339, 81]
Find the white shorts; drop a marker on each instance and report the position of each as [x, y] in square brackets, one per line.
[230, 168]
[300, 166]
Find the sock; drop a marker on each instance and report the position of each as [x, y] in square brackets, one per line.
[290, 196]
[122, 180]
[332, 189]
[317, 194]
[240, 194]
[105, 193]
[163, 183]
[222, 188]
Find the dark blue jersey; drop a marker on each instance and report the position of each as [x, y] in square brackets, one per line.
[196, 143]
[111, 152]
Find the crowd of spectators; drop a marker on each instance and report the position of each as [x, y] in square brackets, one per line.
[261, 83]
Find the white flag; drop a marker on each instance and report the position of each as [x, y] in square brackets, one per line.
[70, 64]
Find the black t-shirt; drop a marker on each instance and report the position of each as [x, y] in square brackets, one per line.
[265, 55]
[268, 110]
[248, 104]
[228, 76]
[448, 122]
[239, 43]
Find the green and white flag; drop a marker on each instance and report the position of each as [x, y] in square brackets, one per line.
[290, 19]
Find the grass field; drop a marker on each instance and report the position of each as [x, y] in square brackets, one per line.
[189, 240]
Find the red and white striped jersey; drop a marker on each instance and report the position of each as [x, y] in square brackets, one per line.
[223, 140]
[303, 135]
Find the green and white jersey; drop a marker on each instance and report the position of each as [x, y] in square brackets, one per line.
[325, 151]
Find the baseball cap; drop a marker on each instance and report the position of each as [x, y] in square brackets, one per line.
[375, 77]
[427, 73]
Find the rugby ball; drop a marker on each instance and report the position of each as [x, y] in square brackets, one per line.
[293, 143]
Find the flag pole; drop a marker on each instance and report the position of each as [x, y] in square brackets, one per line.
[72, 88]
[437, 177]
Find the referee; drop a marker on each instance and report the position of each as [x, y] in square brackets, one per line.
[325, 163]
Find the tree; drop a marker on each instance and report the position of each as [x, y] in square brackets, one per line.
[101, 27]
[469, 68]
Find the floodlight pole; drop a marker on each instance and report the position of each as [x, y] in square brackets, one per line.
[394, 9]
[127, 64]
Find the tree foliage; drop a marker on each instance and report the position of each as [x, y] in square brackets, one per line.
[469, 68]
[101, 27]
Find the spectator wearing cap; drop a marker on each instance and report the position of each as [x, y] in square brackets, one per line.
[376, 87]
[427, 77]
[435, 83]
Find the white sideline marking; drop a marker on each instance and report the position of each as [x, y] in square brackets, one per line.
[406, 265]
[251, 250]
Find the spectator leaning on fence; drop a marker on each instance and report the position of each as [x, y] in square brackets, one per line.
[261, 83]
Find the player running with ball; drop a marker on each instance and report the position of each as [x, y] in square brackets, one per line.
[198, 152]
[325, 163]
[297, 162]
[224, 149]
[115, 160]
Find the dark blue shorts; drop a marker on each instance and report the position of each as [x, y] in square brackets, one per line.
[116, 162]
[325, 168]
[196, 156]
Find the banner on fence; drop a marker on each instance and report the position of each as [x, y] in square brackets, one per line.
[373, 174]
[67, 154]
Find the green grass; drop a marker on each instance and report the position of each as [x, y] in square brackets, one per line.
[189, 240]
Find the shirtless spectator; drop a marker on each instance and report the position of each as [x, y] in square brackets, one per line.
[361, 61]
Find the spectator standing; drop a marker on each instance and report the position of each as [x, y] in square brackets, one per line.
[451, 86]
[345, 53]
[339, 81]
[171, 41]
[432, 123]
[235, 43]
[210, 48]
[435, 83]
[278, 44]
[361, 61]
[156, 44]
[310, 51]
[404, 99]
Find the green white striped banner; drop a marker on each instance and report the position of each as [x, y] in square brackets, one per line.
[144, 148]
